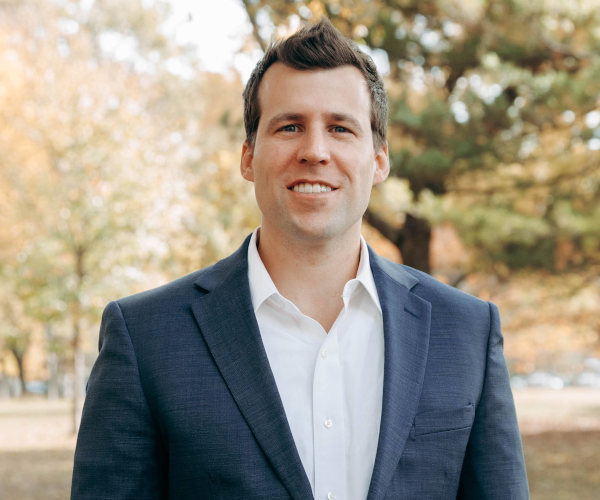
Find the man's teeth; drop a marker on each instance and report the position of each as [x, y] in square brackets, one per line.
[311, 188]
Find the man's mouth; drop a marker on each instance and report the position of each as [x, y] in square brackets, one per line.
[308, 188]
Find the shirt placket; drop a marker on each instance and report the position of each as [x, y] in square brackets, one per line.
[328, 422]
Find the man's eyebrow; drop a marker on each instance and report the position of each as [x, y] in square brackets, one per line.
[284, 117]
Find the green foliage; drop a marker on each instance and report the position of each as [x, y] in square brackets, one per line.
[477, 89]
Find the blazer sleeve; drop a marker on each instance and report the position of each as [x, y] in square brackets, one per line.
[494, 467]
[119, 453]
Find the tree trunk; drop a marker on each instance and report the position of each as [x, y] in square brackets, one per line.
[414, 247]
[412, 240]
[19, 358]
[75, 402]
[51, 364]
[78, 356]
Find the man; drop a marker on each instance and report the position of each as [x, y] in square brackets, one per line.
[303, 365]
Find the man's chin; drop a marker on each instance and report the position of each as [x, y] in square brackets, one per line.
[311, 230]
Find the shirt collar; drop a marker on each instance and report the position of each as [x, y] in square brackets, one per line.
[365, 275]
[262, 286]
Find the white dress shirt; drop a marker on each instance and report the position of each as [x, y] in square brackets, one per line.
[331, 385]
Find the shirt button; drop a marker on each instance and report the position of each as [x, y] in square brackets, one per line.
[328, 423]
[330, 496]
[324, 353]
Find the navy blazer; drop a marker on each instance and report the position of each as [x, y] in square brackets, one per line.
[182, 404]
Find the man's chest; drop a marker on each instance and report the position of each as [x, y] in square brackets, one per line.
[331, 387]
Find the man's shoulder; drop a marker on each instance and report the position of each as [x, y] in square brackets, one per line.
[180, 290]
[437, 293]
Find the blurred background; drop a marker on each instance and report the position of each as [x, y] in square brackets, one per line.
[120, 135]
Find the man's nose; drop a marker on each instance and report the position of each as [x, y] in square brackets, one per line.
[313, 149]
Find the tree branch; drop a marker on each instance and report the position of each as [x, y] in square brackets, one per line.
[550, 183]
[561, 48]
[251, 10]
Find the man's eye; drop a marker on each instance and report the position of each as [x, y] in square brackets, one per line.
[289, 128]
[340, 129]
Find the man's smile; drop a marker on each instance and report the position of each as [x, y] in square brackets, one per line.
[311, 187]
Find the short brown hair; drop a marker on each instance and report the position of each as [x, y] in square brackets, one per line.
[320, 46]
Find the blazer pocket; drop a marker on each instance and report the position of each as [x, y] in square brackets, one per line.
[445, 420]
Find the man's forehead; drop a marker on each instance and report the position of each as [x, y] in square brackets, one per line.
[282, 84]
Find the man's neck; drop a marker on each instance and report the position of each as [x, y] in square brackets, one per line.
[311, 274]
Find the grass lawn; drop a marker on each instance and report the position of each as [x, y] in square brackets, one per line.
[561, 440]
[563, 465]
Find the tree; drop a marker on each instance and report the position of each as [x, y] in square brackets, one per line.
[15, 332]
[493, 128]
[216, 207]
[77, 147]
[117, 166]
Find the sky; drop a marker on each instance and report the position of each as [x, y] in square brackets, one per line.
[219, 28]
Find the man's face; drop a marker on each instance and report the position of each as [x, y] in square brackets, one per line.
[315, 128]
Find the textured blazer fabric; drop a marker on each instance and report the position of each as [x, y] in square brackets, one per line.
[182, 404]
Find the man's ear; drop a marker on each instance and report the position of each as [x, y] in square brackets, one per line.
[246, 162]
[382, 165]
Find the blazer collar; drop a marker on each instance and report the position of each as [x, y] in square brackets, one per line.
[226, 319]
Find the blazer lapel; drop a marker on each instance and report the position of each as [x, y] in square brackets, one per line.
[406, 324]
[227, 321]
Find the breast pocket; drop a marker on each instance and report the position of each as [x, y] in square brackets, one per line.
[445, 420]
